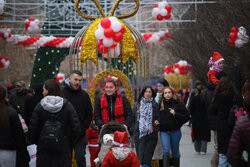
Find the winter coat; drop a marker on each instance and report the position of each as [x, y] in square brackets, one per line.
[82, 105]
[111, 100]
[67, 116]
[211, 118]
[239, 142]
[29, 107]
[145, 145]
[92, 138]
[220, 108]
[120, 157]
[211, 76]
[17, 101]
[13, 138]
[200, 124]
[170, 122]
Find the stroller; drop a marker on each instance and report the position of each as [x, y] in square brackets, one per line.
[105, 139]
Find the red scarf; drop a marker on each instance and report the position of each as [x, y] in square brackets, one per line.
[119, 110]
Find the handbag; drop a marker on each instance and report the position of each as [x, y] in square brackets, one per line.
[32, 152]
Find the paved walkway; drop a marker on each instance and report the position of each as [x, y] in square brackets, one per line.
[188, 157]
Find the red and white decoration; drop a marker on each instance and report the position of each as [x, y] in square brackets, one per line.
[168, 70]
[157, 36]
[32, 25]
[60, 77]
[109, 33]
[66, 42]
[162, 10]
[238, 37]
[182, 68]
[4, 62]
[2, 4]
[5, 33]
[111, 77]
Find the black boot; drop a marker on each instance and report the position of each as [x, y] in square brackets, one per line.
[176, 162]
[166, 161]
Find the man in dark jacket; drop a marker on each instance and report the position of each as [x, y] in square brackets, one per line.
[112, 106]
[81, 102]
[17, 100]
[32, 101]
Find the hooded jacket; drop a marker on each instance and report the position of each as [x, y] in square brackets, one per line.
[122, 157]
[67, 116]
[81, 103]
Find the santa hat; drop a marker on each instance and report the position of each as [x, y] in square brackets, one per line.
[216, 56]
[120, 138]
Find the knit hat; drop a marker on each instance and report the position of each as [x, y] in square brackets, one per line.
[20, 83]
[120, 138]
[216, 56]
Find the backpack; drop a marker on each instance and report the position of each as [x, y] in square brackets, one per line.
[52, 136]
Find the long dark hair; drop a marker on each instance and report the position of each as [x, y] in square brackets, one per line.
[200, 89]
[246, 89]
[225, 86]
[144, 90]
[53, 87]
[4, 119]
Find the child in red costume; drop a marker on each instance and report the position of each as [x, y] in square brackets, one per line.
[120, 155]
[92, 134]
[216, 64]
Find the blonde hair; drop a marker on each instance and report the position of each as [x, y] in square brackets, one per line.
[175, 97]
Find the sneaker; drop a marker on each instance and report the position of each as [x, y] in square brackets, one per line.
[203, 153]
[196, 152]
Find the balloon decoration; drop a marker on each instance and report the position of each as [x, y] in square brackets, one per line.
[32, 25]
[162, 10]
[4, 62]
[60, 77]
[109, 33]
[2, 4]
[111, 77]
[178, 75]
[65, 42]
[238, 37]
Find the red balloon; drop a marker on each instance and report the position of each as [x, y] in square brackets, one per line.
[167, 16]
[159, 17]
[118, 37]
[122, 30]
[168, 8]
[233, 36]
[113, 46]
[176, 65]
[231, 43]
[108, 33]
[156, 5]
[106, 23]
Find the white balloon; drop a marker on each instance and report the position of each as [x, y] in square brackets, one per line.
[163, 12]
[177, 71]
[116, 26]
[6, 64]
[155, 12]
[32, 24]
[113, 18]
[108, 42]
[99, 33]
[162, 5]
[239, 43]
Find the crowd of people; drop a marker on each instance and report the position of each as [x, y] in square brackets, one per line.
[61, 119]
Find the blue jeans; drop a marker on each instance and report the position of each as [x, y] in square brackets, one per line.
[146, 165]
[80, 151]
[171, 139]
[223, 161]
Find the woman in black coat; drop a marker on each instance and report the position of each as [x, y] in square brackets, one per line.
[13, 151]
[200, 123]
[53, 105]
[146, 113]
[225, 97]
[173, 114]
